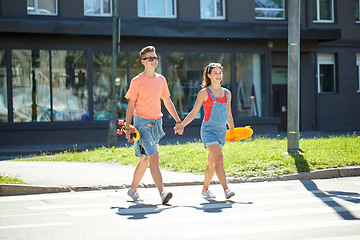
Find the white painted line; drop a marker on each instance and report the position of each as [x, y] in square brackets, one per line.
[238, 230]
[35, 225]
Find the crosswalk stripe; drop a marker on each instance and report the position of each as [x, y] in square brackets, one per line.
[235, 216]
[35, 225]
[241, 230]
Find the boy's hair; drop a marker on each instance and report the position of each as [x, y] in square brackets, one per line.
[146, 50]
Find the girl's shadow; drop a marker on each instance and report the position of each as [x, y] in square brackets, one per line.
[213, 206]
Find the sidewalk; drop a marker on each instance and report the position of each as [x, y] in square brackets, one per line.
[53, 177]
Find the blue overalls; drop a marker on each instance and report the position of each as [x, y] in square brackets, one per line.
[214, 131]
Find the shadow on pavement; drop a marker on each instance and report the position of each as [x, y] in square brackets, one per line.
[327, 198]
[213, 206]
[140, 210]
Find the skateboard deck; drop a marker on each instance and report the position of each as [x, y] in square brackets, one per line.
[238, 134]
[134, 133]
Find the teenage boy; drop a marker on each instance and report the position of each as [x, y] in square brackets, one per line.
[144, 94]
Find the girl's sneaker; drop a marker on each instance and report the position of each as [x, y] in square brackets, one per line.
[229, 194]
[207, 194]
[133, 193]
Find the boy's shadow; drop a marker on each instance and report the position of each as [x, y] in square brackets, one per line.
[213, 206]
[141, 210]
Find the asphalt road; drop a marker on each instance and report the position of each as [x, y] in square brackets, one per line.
[298, 209]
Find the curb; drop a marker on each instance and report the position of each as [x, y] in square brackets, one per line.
[22, 189]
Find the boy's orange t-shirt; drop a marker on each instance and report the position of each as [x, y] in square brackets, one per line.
[147, 92]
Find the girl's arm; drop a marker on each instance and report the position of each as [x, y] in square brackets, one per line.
[201, 97]
[229, 114]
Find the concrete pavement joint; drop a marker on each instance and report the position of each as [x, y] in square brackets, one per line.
[22, 189]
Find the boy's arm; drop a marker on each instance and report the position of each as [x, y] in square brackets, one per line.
[129, 116]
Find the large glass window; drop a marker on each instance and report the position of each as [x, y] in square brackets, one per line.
[326, 73]
[270, 9]
[250, 92]
[42, 7]
[69, 86]
[102, 73]
[212, 9]
[184, 80]
[98, 8]
[121, 82]
[157, 8]
[31, 85]
[323, 11]
[3, 88]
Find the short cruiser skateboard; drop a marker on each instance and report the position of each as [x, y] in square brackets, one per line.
[134, 133]
[239, 133]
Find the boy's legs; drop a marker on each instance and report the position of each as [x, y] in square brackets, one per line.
[155, 171]
[139, 171]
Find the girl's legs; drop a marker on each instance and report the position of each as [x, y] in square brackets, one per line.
[216, 153]
[209, 172]
[139, 171]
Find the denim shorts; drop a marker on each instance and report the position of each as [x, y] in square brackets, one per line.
[148, 145]
[212, 134]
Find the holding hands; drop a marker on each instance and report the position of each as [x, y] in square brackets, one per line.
[179, 128]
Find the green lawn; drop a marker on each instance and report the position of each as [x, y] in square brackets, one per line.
[255, 157]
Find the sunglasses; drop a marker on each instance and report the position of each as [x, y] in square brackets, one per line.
[212, 65]
[151, 58]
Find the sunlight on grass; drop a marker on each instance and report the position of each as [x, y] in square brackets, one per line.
[257, 157]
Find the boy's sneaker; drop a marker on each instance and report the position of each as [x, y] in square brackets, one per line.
[165, 197]
[133, 193]
[207, 194]
[229, 194]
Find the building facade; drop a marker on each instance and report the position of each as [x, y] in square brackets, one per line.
[56, 63]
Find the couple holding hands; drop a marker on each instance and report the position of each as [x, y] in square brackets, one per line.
[144, 107]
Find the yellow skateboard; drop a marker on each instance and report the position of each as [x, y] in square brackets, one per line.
[239, 133]
[134, 133]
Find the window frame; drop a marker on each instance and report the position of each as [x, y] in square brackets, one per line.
[165, 7]
[271, 9]
[357, 11]
[102, 14]
[326, 59]
[215, 17]
[318, 20]
[358, 70]
[36, 9]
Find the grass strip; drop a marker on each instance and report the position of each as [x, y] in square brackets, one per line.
[256, 157]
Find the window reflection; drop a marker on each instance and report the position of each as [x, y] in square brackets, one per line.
[249, 92]
[102, 72]
[3, 88]
[31, 90]
[121, 83]
[69, 80]
[184, 80]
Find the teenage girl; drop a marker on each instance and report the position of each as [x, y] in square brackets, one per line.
[217, 113]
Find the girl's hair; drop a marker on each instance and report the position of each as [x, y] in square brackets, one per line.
[146, 50]
[206, 80]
